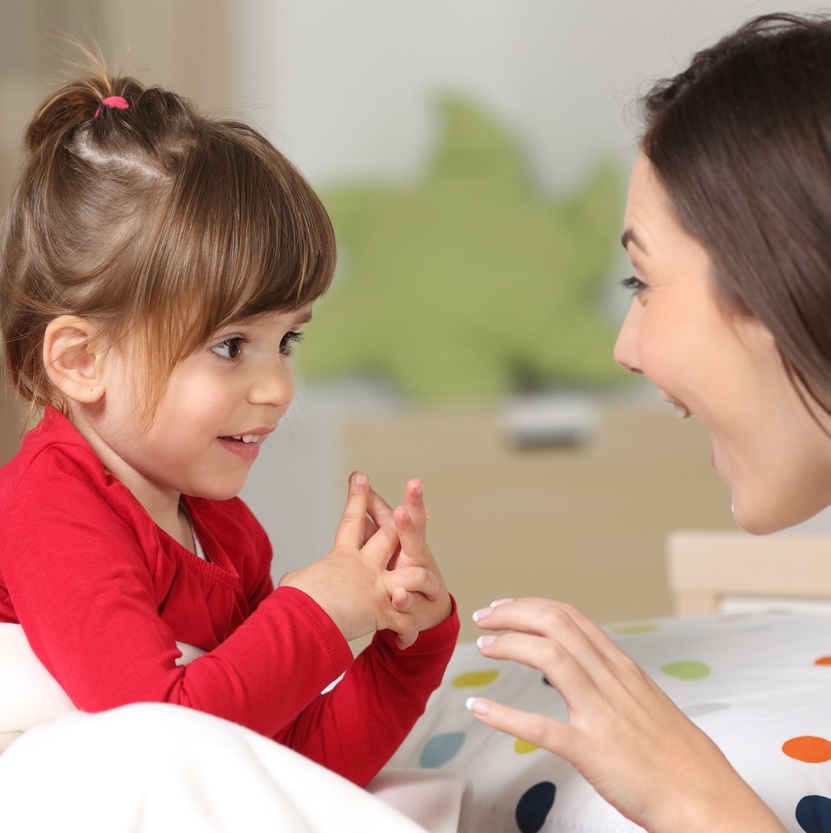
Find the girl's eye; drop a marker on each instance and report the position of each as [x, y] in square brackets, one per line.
[288, 343]
[635, 285]
[230, 349]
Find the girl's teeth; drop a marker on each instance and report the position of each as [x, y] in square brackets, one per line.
[247, 438]
[681, 411]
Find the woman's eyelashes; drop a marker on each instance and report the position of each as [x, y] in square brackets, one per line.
[635, 285]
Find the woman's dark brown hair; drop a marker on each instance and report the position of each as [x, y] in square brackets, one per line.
[157, 223]
[741, 142]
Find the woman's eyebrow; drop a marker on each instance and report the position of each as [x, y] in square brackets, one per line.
[631, 236]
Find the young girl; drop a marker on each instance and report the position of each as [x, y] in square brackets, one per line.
[157, 269]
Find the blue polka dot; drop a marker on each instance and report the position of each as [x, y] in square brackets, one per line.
[440, 749]
[814, 814]
[534, 807]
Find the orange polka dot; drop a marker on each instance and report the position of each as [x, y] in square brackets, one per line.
[809, 749]
[823, 661]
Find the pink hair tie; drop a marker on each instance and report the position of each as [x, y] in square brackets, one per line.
[116, 102]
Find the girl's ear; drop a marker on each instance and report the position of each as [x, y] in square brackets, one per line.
[73, 359]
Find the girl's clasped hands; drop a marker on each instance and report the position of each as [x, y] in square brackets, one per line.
[380, 573]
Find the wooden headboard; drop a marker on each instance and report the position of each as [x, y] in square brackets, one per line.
[707, 568]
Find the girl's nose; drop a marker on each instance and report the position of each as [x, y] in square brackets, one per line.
[626, 346]
[273, 384]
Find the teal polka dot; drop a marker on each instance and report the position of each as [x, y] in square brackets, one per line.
[440, 749]
[534, 807]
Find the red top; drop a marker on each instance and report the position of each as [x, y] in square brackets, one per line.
[103, 595]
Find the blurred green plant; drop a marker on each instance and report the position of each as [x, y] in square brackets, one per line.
[469, 282]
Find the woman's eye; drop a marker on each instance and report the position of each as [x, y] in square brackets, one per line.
[288, 342]
[230, 349]
[635, 285]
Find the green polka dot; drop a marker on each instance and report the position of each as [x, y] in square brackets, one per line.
[475, 679]
[689, 669]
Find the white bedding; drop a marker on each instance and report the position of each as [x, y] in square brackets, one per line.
[758, 683]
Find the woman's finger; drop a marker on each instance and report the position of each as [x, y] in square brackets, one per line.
[557, 640]
[544, 732]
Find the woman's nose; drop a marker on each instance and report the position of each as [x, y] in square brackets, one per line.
[626, 346]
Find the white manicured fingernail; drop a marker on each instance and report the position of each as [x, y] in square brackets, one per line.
[484, 641]
[479, 615]
[477, 706]
[500, 602]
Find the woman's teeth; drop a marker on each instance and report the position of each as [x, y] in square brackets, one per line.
[247, 438]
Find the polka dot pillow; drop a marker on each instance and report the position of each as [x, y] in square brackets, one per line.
[758, 683]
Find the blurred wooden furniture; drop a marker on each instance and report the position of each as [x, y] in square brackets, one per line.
[721, 570]
[584, 523]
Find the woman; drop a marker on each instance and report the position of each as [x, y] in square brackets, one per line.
[728, 228]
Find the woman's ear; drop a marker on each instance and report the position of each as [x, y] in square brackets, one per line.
[73, 358]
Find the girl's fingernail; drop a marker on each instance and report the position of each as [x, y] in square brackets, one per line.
[484, 641]
[477, 706]
[479, 615]
[359, 479]
[500, 602]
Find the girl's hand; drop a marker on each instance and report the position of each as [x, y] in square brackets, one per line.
[410, 522]
[352, 583]
[623, 734]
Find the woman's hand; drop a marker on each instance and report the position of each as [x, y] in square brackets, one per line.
[623, 734]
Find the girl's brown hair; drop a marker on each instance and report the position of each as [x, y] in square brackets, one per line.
[742, 143]
[152, 221]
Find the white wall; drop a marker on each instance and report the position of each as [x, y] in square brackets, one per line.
[345, 88]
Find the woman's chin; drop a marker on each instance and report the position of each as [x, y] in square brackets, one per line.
[760, 520]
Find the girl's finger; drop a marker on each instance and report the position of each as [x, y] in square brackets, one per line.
[381, 547]
[414, 580]
[414, 501]
[352, 525]
[402, 600]
[369, 528]
[379, 510]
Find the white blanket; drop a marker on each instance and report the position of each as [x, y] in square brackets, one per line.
[759, 684]
[152, 768]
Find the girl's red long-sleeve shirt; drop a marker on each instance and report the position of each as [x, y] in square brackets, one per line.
[103, 595]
